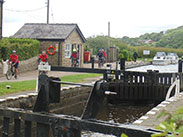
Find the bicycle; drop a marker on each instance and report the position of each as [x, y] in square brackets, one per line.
[10, 73]
[101, 62]
[75, 63]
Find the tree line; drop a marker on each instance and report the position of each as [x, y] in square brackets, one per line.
[172, 38]
[127, 50]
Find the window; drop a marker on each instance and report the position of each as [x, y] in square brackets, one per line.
[67, 51]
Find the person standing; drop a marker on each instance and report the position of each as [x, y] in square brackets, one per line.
[43, 57]
[74, 58]
[101, 57]
[135, 56]
[15, 62]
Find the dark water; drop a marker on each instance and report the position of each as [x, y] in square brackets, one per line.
[122, 113]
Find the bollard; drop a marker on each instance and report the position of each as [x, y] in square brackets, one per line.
[116, 75]
[180, 66]
[122, 64]
[92, 61]
[109, 66]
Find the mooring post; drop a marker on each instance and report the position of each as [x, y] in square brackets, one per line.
[122, 67]
[105, 76]
[122, 64]
[93, 62]
[180, 66]
[180, 73]
[116, 74]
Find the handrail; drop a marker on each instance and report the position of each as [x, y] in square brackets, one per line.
[177, 89]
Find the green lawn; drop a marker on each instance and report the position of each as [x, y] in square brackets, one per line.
[145, 59]
[79, 77]
[31, 84]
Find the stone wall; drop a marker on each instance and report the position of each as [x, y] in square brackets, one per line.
[52, 59]
[72, 102]
[74, 38]
[26, 65]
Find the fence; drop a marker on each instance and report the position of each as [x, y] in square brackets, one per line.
[149, 86]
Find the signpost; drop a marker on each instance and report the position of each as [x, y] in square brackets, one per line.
[146, 53]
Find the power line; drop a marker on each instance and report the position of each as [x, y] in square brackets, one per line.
[52, 14]
[25, 10]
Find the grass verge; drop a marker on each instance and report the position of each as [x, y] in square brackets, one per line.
[28, 85]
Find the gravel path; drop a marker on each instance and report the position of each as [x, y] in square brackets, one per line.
[32, 75]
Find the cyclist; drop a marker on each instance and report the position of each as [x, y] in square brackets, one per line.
[101, 57]
[105, 55]
[15, 62]
[74, 57]
[43, 57]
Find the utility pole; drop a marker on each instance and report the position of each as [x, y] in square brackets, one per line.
[48, 7]
[108, 41]
[1, 18]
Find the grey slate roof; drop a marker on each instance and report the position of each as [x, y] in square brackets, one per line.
[42, 31]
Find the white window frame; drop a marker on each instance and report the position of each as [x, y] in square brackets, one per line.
[67, 50]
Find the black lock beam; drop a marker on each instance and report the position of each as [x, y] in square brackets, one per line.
[95, 100]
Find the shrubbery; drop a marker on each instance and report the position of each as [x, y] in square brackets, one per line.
[173, 123]
[96, 43]
[153, 51]
[26, 48]
[125, 54]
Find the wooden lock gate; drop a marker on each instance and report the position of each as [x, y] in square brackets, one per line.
[41, 123]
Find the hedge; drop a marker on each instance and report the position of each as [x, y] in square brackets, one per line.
[153, 51]
[25, 48]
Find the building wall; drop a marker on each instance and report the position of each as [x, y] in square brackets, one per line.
[74, 38]
[52, 59]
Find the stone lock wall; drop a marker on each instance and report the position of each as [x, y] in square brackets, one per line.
[72, 102]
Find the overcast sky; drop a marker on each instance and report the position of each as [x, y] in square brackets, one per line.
[127, 17]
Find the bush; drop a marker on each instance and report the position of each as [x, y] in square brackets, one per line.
[98, 42]
[173, 123]
[125, 54]
[26, 48]
[153, 51]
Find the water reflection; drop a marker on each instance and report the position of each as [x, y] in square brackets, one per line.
[163, 68]
[122, 113]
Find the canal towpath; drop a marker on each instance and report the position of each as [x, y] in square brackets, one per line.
[32, 75]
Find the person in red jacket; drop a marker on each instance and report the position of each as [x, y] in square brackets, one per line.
[15, 62]
[74, 58]
[43, 57]
[105, 55]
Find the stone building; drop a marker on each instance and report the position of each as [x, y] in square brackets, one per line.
[63, 37]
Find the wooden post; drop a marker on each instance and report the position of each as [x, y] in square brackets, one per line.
[1, 17]
[93, 62]
[181, 81]
[42, 130]
[122, 64]
[180, 66]
[28, 127]
[17, 127]
[117, 74]
[6, 123]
